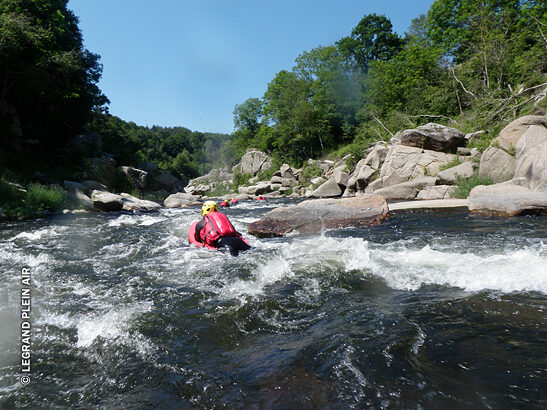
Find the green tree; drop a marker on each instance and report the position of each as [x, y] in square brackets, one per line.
[48, 85]
[372, 39]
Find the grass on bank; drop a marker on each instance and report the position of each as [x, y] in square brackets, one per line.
[464, 186]
[18, 202]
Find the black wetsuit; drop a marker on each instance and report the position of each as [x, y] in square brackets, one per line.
[234, 243]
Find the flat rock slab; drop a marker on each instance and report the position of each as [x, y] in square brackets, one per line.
[311, 216]
[429, 204]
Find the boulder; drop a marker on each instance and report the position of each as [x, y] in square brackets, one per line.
[276, 179]
[507, 198]
[406, 190]
[448, 176]
[254, 161]
[340, 176]
[311, 216]
[497, 165]
[509, 136]
[261, 188]
[435, 192]
[105, 201]
[376, 157]
[403, 163]
[329, 189]
[166, 180]
[433, 137]
[531, 153]
[201, 189]
[72, 186]
[180, 200]
[130, 203]
[136, 177]
[361, 177]
[81, 199]
[91, 185]
[288, 182]
[286, 171]
[275, 187]
[243, 190]
[317, 180]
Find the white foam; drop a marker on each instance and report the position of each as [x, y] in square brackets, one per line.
[408, 269]
[274, 270]
[110, 324]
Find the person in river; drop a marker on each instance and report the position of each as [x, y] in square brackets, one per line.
[216, 230]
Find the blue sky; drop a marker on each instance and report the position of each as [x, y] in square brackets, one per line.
[189, 62]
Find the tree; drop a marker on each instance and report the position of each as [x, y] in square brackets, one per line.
[48, 79]
[372, 39]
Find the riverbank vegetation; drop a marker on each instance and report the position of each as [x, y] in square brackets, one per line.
[470, 65]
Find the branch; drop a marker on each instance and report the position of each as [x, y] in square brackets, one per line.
[383, 126]
[434, 116]
[459, 82]
[539, 28]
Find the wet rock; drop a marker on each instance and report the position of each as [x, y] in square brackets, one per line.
[313, 215]
[105, 201]
[433, 137]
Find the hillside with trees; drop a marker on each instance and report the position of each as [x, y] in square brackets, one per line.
[471, 65]
[467, 64]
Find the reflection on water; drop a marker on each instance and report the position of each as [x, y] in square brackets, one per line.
[427, 310]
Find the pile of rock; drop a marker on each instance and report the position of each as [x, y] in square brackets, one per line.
[516, 162]
[407, 168]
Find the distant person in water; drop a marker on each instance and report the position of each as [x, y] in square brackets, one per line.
[216, 230]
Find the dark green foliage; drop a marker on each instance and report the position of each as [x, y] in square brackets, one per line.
[185, 153]
[48, 88]
[464, 185]
[240, 179]
[308, 172]
[371, 40]
[18, 202]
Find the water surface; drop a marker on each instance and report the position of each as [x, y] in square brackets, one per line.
[428, 310]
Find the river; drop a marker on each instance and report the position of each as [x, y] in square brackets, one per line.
[428, 310]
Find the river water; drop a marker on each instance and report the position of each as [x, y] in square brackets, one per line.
[428, 310]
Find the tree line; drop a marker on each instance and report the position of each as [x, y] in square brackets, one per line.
[471, 63]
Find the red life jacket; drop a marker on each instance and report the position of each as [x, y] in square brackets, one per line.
[216, 226]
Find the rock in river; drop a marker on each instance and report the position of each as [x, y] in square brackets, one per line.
[313, 215]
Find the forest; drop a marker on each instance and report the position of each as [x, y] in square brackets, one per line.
[468, 64]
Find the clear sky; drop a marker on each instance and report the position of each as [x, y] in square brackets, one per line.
[189, 62]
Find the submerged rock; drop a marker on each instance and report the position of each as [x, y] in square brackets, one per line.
[313, 215]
